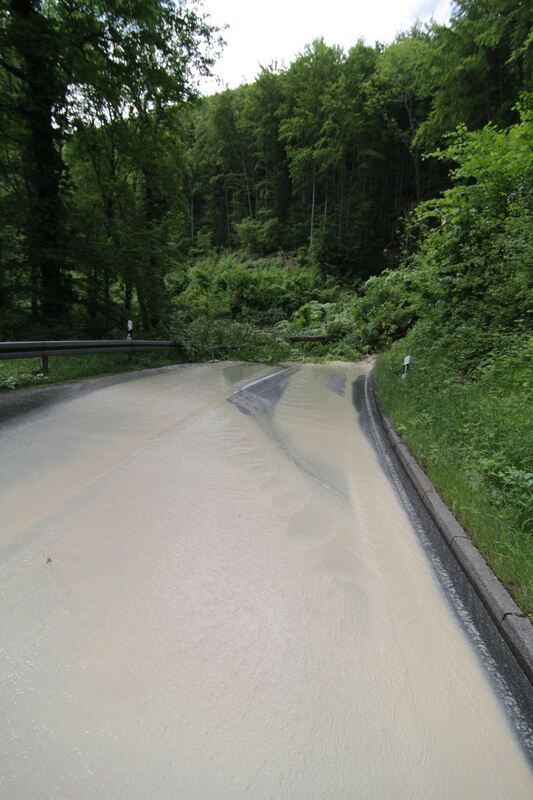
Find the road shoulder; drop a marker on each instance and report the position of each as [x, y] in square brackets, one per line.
[513, 624]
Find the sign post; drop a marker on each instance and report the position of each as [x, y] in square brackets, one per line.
[130, 331]
[406, 363]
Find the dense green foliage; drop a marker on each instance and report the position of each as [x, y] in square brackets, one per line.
[89, 166]
[465, 407]
[329, 154]
[112, 176]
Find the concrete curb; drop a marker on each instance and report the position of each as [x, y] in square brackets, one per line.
[513, 624]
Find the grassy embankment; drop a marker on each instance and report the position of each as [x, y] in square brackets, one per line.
[24, 372]
[474, 439]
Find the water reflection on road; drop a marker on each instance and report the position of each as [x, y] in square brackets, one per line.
[211, 599]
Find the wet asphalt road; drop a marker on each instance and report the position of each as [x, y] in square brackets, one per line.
[216, 583]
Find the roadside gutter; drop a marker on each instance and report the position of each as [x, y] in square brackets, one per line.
[511, 621]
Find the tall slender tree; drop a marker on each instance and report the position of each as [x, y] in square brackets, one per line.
[71, 62]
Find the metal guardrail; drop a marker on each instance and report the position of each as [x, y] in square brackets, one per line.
[71, 347]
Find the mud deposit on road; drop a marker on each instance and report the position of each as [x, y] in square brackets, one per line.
[208, 599]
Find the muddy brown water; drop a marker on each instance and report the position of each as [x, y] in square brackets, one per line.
[211, 599]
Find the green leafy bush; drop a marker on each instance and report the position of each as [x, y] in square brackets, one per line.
[262, 292]
[465, 408]
[206, 339]
[258, 237]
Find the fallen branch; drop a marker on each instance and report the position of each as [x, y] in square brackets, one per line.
[322, 337]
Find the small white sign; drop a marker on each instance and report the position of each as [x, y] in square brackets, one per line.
[407, 361]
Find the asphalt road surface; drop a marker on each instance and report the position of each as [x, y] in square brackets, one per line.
[212, 588]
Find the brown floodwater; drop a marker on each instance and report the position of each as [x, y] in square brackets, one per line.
[210, 599]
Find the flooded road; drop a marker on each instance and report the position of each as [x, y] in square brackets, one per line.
[209, 599]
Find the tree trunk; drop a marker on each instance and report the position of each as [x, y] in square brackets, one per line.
[227, 215]
[110, 225]
[412, 149]
[416, 165]
[339, 233]
[92, 294]
[35, 41]
[34, 292]
[128, 294]
[247, 189]
[143, 305]
[312, 208]
[152, 286]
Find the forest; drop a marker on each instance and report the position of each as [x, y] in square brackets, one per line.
[380, 197]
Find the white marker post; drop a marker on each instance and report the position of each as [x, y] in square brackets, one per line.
[130, 331]
[406, 362]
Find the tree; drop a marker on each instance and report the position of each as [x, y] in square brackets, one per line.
[310, 151]
[68, 63]
[478, 66]
[402, 72]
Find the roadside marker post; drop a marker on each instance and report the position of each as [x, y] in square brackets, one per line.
[406, 363]
[130, 331]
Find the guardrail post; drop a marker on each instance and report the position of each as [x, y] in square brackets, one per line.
[44, 359]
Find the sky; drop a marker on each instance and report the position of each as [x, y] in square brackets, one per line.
[259, 33]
